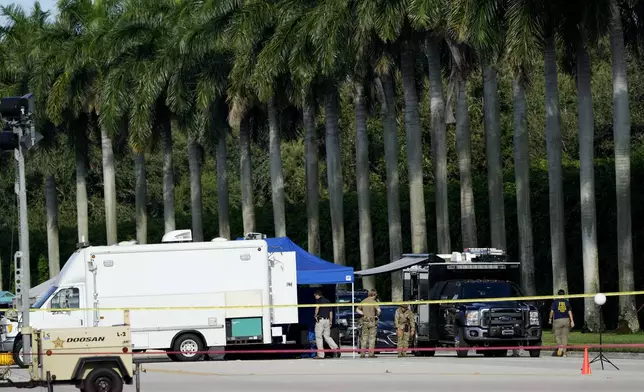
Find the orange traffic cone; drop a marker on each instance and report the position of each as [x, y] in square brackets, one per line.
[585, 367]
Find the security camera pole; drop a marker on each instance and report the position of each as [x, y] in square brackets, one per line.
[19, 134]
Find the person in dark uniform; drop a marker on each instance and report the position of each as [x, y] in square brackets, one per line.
[323, 317]
[562, 321]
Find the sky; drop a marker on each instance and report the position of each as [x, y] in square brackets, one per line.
[27, 5]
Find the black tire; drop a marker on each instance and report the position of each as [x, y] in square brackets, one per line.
[535, 353]
[17, 358]
[500, 353]
[461, 351]
[103, 380]
[182, 343]
[426, 353]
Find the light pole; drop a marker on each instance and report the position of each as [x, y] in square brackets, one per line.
[19, 134]
[600, 300]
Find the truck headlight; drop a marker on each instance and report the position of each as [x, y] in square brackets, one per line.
[472, 317]
[534, 317]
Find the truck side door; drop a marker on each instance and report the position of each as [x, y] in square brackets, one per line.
[448, 312]
[61, 310]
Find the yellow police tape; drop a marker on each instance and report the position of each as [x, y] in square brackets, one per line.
[345, 304]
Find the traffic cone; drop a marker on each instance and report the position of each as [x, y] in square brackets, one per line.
[585, 367]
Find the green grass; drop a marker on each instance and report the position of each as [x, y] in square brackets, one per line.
[578, 339]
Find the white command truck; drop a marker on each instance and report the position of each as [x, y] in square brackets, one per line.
[226, 287]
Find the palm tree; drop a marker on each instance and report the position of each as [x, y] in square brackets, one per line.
[51, 198]
[252, 24]
[141, 198]
[523, 35]
[79, 28]
[387, 93]
[622, 136]
[290, 53]
[429, 18]
[581, 31]
[359, 51]
[315, 29]
[481, 27]
[554, 151]
[461, 67]
[194, 163]
[389, 21]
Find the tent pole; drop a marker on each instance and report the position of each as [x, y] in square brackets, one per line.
[353, 318]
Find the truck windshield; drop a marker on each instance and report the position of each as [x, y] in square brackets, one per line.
[473, 290]
[44, 297]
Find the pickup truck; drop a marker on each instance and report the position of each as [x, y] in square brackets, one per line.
[479, 323]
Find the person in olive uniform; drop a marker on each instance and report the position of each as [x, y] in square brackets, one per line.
[405, 328]
[370, 312]
[561, 320]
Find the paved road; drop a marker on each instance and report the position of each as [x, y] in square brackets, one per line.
[387, 373]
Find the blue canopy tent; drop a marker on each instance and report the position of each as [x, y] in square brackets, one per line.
[312, 269]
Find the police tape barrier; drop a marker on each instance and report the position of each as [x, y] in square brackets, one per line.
[357, 350]
[347, 304]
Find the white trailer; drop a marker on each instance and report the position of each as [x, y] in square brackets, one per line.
[98, 280]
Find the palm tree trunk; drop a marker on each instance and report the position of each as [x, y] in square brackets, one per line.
[414, 151]
[439, 145]
[246, 176]
[362, 180]
[277, 174]
[522, 180]
[390, 128]
[492, 123]
[463, 145]
[81, 187]
[622, 136]
[334, 173]
[196, 207]
[312, 177]
[168, 179]
[222, 185]
[555, 176]
[141, 199]
[109, 187]
[587, 186]
[53, 246]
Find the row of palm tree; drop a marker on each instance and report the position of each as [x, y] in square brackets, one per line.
[150, 69]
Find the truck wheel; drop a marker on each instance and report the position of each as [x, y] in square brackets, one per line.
[18, 354]
[188, 348]
[103, 380]
[535, 353]
[462, 346]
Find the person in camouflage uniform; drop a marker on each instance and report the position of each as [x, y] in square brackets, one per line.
[370, 312]
[405, 328]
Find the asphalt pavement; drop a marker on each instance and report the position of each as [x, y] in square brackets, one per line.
[388, 373]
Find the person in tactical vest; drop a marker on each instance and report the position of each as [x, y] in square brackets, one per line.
[405, 328]
[370, 312]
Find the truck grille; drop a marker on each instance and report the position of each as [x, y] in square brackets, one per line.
[497, 317]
